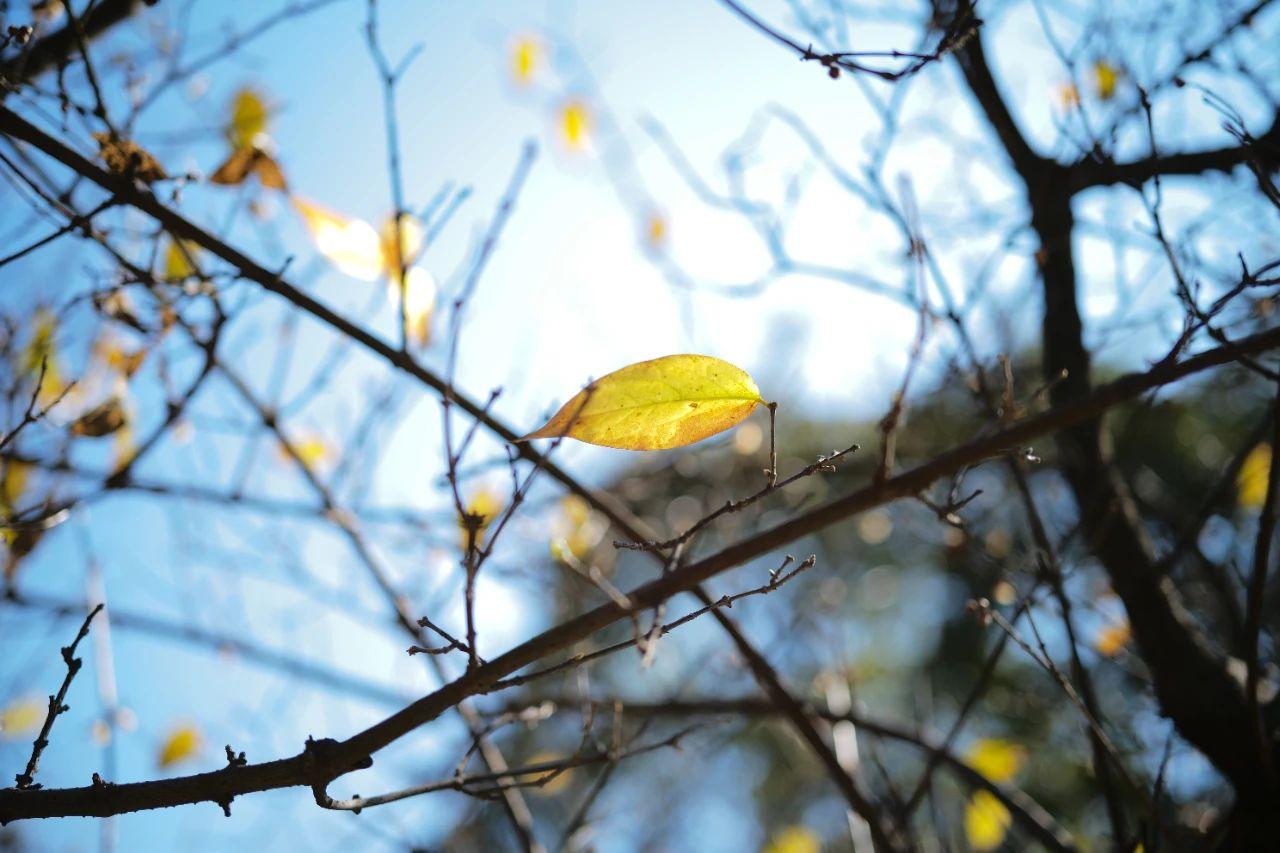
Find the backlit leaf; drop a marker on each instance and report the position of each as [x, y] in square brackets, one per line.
[795, 839]
[986, 821]
[244, 162]
[352, 245]
[419, 304]
[655, 405]
[998, 760]
[182, 744]
[1251, 482]
[21, 716]
[13, 483]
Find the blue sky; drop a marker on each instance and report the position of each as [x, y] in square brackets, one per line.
[569, 294]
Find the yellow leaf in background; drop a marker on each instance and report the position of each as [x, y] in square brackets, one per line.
[575, 124]
[1251, 482]
[13, 483]
[248, 125]
[352, 245]
[182, 744]
[986, 821]
[1105, 77]
[795, 839]
[126, 157]
[42, 348]
[655, 405]
[556, 781]
[419, 304]
[178, 259]
[576, 530]
[21, 716]
[313, 451]
[1068, 96]
[1113, 638]
[998, 760]
[655, 230]
[411, 239]
[484, 505]
[123, 362]
[526, 58]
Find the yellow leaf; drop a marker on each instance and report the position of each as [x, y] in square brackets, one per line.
[13, 483]
[986, 821]
[182, 744]
[248, 125]
[526, 58]
[419, 304]
[351, 244]
[655, 230]
[1068, 96]
[126, 157]
[1251, 482]
[655, 405]
[575, 124]
[21, 716]
[795, 839]
[42, 348]
[1105, 77]
[178, 259]
[998, 760]
[313, 451]
[411, 237]
[480, 511]
[1112, 639]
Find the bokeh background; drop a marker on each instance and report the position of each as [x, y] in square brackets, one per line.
[696, 188]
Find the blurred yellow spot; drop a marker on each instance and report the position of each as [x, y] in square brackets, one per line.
[313, 451]
[998, 542]
[986, 821]
[1105, 78]
[1112, 639]
[556, 781]
[1068, 96]
[248, 125]
[577, 530]
[481, 509]
[1251, 482]
[21, 716]
[182, 744]
[575, 124]
[526, 59]
[411, 238]
[13, 482]
[795, 839]
[655, 230]
[998, 760]
[874, 527]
